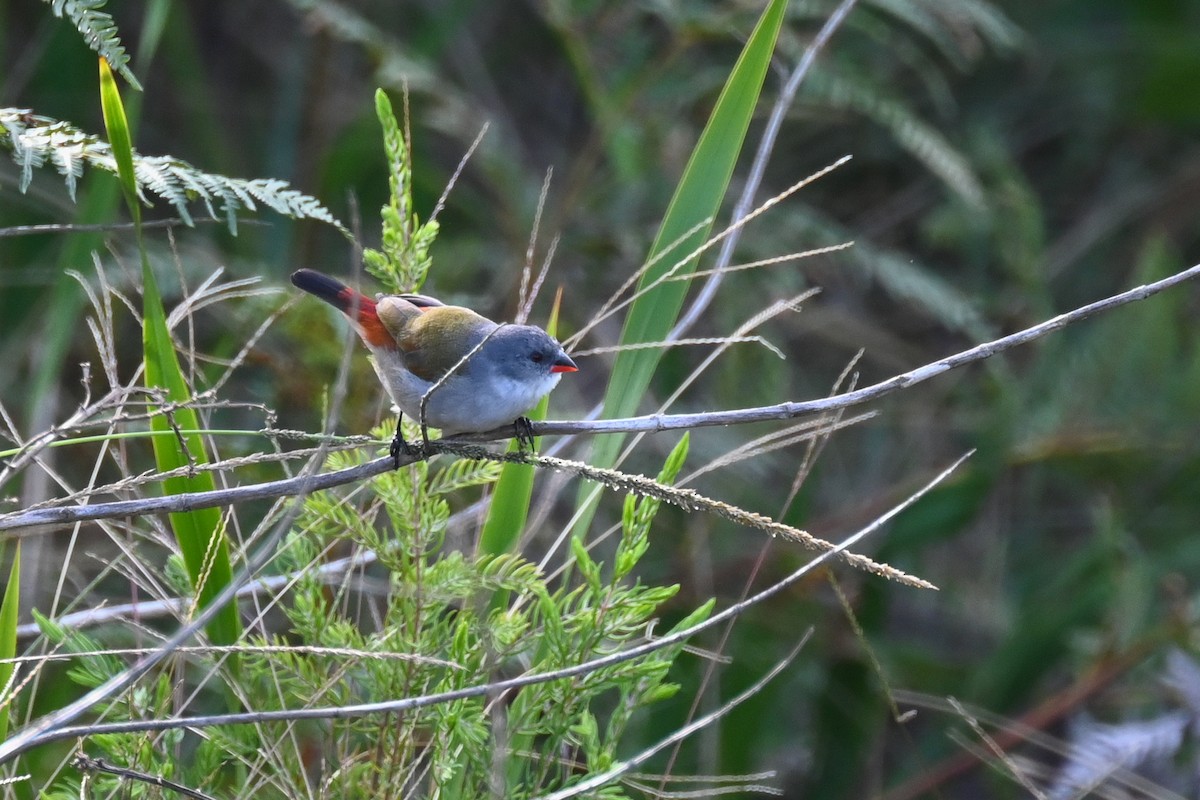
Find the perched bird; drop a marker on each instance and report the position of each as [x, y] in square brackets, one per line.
[446, 366]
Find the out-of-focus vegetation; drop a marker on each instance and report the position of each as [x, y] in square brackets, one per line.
[1011, 160]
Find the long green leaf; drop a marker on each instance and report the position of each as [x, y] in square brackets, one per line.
[200, 533]
[697, 199]
[8, 635]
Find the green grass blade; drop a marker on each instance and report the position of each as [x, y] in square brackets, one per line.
[120, 138]
[200, 533]
[8, 635]
[697, 198]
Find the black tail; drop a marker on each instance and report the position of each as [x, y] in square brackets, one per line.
[331, 290]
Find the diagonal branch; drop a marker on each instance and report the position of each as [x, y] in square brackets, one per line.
[651, 423]
[53, 728]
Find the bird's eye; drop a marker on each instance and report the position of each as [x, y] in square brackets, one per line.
[538, 358]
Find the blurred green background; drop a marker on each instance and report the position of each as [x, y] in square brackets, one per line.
[1012, 160]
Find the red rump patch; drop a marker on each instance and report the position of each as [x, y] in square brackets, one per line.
[369, 324]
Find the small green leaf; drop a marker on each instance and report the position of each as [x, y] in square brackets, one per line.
[695, 618]
[639, 513]
[589, 568]
[119, 137]
[8, 636]
[661, 692]
[403, 260]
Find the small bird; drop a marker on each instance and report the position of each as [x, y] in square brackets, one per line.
[446, 366]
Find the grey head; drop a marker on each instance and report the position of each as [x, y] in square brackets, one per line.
[523, 353]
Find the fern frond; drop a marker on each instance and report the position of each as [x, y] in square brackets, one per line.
[901, 276]
[1099, 750]
[958, 29]
[992, 24]
[918, 137]
[33, 139]
[99, 32]
[463, 474]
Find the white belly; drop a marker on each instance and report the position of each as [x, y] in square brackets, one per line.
[460, 404]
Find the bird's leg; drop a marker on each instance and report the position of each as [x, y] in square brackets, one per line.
[400, 446]
[523, 429]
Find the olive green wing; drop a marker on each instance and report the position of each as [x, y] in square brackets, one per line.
[436, 338]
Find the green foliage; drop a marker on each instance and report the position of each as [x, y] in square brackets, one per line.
[201, 532]
[92, 668]
[684, 228]
[439, 633]
[403, 261]
[1065, 550]
[98, 31]
[431, 627]
[639, 512]
[8, 636]
[35, 139]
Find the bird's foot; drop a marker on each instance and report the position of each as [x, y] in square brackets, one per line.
[401, 447]
[523, 429]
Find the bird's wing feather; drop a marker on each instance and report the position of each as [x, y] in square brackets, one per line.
[423, 301]
[435, 339]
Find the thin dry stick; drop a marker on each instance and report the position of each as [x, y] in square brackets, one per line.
[690, 500]
[707, 245]
[665, 344]
[622, 767]
[524, 297]
[650, 423]
[87, 764]
[330, 445]
[766, 262]
[53, 727]
[758, 166]
[996, 750]
[61, 718]
[106, 227]
[209, 649]
[462, 162]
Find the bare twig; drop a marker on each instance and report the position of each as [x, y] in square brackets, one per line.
[622, 767]
[88, 764]
[758, 167]
[462, 162]
[150, 609]
[209, 649]
[649, 423]
[690, 500]
[61, 718]
[107, 227]
[51, 728]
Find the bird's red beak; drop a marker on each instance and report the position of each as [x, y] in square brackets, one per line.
[563, 364]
